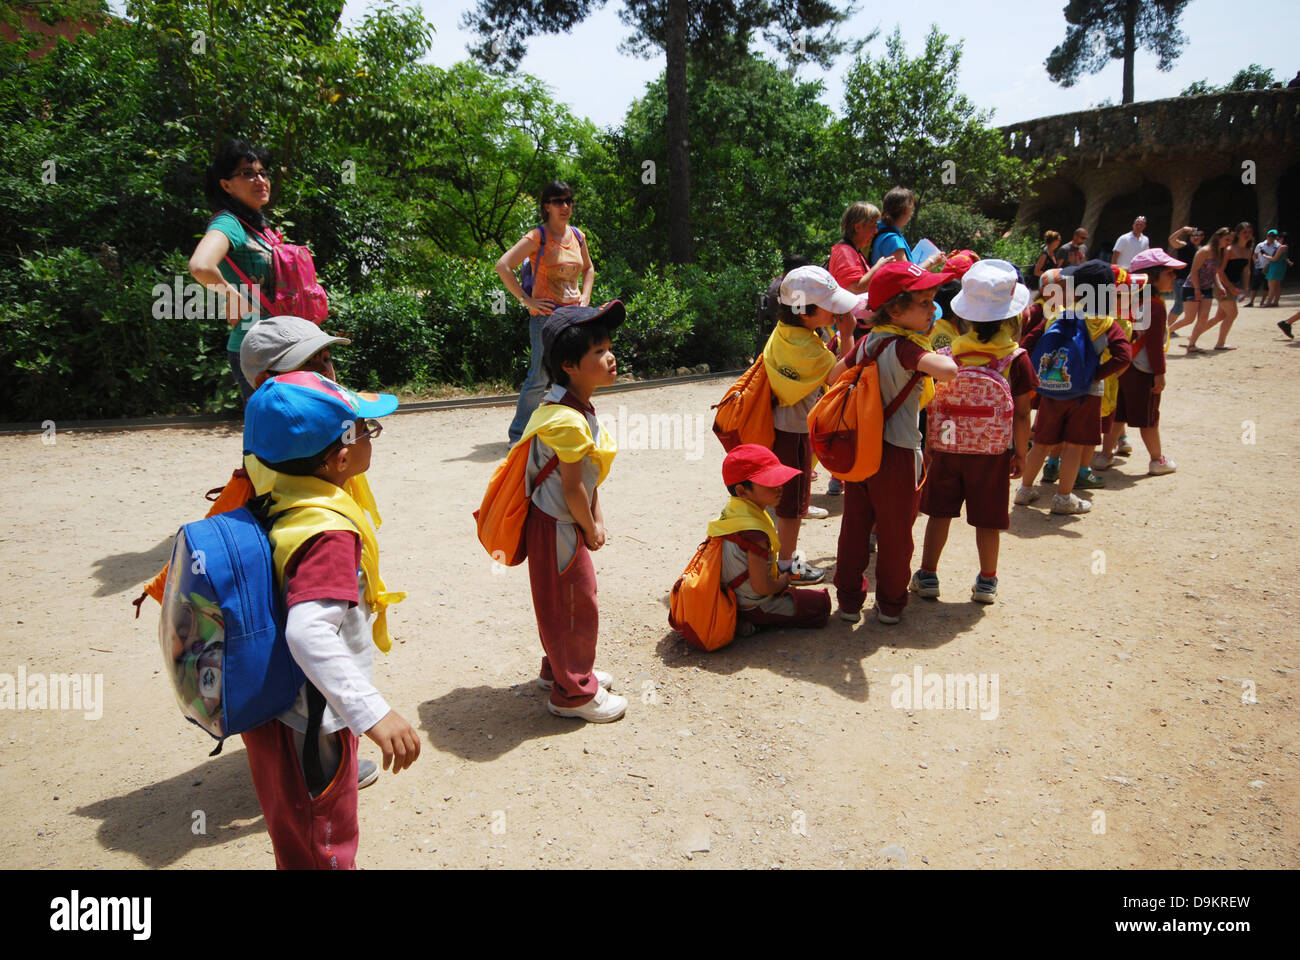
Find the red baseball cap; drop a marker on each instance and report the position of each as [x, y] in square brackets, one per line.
[757, 464]
[894, 277]
[960, 262]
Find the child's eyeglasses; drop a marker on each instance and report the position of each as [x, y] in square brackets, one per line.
[373, 428]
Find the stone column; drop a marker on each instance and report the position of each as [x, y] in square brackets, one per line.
[1100, 185]
[1268, 176]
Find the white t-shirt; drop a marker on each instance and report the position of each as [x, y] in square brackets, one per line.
[1129, 246]
[1264, 249]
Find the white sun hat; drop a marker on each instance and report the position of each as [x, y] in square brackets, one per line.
[991, 290]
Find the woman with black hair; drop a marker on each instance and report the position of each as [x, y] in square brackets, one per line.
[561, 272]
[238, 185]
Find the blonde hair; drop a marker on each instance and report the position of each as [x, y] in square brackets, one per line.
[1051, 235]
[860, 211]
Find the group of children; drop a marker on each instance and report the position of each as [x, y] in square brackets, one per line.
[1087, 355]
[307, 445]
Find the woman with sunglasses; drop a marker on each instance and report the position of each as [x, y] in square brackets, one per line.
[563, 274]
[238, 185]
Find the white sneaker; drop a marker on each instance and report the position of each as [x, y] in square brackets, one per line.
[816, 513]
[1102, 462]
[604, 679]
[850, 616]
[1158, 468]
[602, 708]
[1070, 504]
[1026, 495]
[889, 618]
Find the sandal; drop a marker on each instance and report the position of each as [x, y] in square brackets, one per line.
[1225, 347]
[1192, 348]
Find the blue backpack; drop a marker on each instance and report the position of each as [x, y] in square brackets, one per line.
[222, 627]
[527, 275]
[1066, 358]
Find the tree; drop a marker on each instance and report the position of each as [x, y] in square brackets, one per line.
[1099, 31]
[717, 30]
[1253, 77]
[905, 124]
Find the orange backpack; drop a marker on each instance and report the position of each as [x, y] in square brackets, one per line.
[745, 411]
[700, 608]
[847, 425]
[500, 518]
[237, 492]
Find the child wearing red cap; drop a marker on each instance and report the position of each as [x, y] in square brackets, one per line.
[903, 295]
[755, 477]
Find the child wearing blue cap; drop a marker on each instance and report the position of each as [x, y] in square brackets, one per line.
[307, 444]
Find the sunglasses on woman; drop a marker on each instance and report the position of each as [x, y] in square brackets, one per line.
[562, 201]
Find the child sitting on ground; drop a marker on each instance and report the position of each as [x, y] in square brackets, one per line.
[1142, 383]
[306, 437]
[755, 477]
[903, 295]
[1074, 421]
[973, 452]
[797, 364]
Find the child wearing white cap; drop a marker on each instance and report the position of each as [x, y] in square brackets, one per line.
[798, 364]
[978, 434]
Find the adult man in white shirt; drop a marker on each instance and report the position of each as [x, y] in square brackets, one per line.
[1264, 251]
[1131, 244]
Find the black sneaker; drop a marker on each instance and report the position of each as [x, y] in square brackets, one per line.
[1285, 328]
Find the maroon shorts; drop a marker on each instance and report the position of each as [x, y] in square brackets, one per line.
[794, 450]
[983, 481]
[1138, 405]
[1069, 421]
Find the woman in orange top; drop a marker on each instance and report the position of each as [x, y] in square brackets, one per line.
[562, 275]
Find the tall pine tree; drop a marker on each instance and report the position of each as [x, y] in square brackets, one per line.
[1099, 31]
[682, 29]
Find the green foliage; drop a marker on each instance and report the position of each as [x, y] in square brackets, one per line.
[1253, 77]
[953, 227]
[905, 124]
[80, 339]
[762, 167]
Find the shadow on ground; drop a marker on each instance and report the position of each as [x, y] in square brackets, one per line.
[122, 571]
[157, 822]
[482, 723]
[484, 453]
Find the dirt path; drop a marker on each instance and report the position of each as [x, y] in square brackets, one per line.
[1123, 645]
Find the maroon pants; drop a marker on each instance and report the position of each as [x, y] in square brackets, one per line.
[567, 618]
[306, 833]
[889, 501]
[812, 608]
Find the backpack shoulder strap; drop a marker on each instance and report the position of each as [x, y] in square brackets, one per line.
[581, 239]
[749, 546]
[907, 389]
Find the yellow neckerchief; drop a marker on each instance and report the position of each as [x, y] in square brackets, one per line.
[797, 363]
[740, 514]
[1000, 346]
[567, 432]
[302, 507]
[922, 340]
[943, 334]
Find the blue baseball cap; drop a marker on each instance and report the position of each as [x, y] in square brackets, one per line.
[299, 414]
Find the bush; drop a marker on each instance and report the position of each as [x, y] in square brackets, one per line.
[953, 227]
[391, 343]
[86, 337]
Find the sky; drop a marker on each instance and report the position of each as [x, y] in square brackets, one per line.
[1005, 44]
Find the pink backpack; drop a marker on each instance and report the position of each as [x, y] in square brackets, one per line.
[974, 412]
[297, 292]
